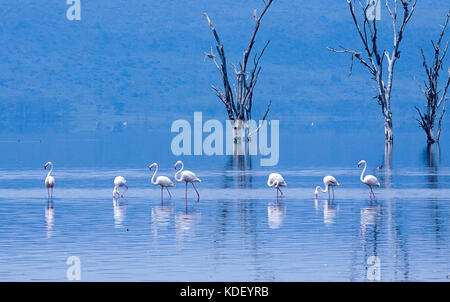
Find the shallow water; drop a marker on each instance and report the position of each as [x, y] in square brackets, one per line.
[237, 232]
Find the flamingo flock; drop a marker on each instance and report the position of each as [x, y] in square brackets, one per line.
[274, 180]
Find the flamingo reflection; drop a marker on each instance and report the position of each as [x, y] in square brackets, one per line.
[49, 218]
[185, 222]
[119, 212]
[276, 212]
[329, 208]
[329, 212]
[160, 217]
[368, 219]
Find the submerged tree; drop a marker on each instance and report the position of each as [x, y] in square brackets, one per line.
[435, 99]
[239, 100]
[373, 58]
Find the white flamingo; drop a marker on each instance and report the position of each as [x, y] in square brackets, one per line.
[119, 181]
[49, 180]
[277, 181]
[162, 181]
[369, 180]
[328, 181]
[187, 176]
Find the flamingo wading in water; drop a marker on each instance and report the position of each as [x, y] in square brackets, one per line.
[49, 180]
[277, 181]
[187, 176]
[328, 181]
[369, 180]
[119, 181]
[163, 181]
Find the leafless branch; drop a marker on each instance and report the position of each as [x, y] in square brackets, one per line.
[372, 58]
[435, 97]
[240, 106]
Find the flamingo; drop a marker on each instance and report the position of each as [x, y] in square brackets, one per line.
[119, 181]
[369, 180]
[187, 176]
[276, 180]
[163, 181]
[49, 180]
[328, 181]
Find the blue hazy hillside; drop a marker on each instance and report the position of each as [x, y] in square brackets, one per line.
[142, 62]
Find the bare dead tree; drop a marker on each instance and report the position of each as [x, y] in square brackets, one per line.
[374, 59]
[239, 100]
[433, 95]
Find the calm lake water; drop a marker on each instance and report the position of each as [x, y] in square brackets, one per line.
[238, 231]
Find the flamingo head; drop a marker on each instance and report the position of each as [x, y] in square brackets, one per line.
[316, 192]
[152, 165]
[178, 163]
[361, 162]
[48, 164]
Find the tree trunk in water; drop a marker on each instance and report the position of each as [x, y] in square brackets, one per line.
[388, 130]
[430, 135]
[238, 137]
[388, 164]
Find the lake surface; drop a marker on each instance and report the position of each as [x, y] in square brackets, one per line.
[238, 231]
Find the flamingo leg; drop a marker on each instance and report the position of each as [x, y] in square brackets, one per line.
[52, 194]
[329, 197]
[198, 195]
[48, 193]
[371, 193]
[333, 192]
[168, 192]
[185, 197]
[125, 190]
[281, 192]
[161, 195]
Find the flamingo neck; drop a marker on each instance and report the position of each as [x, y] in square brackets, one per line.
[153, 177]
[323, 191]
[51, 170]
[362, 173]
[317, 190]
[178, 172]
